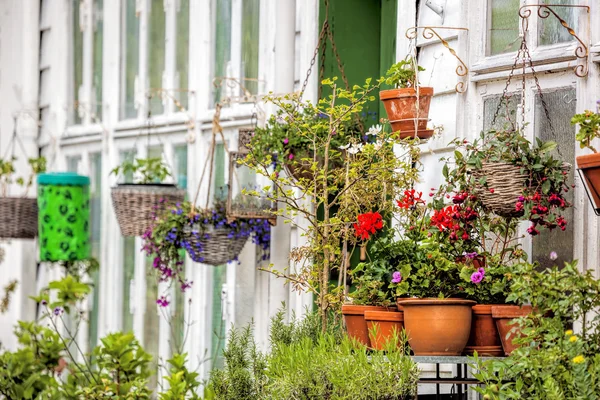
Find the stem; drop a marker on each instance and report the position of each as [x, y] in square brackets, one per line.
[69, 352]
[89, 367]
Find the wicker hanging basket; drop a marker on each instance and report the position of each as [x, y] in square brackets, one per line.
[18, 218]
[214, 246]
[135, 204]
[504, 185]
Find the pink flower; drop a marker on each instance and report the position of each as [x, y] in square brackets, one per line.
[476, 277]
[291, 156]
[553, 255]
[162, 301]
[396, 277]
[285, 141]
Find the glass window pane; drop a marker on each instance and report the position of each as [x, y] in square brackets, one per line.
[222, 51]
[181, 166]
[218, 321]
[151, 323]
[130, 54]
[561, 107]
[97, 54]
[182, 54]
[178, 315]
[507, 112]
[550, 31]
[127, 259]
[96, 229]
[250, 21]
[73, 163]
[77, 60]
[503, 26]
[156, 53]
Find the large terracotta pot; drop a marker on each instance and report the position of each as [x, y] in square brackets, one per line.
[356, 326]
[590, 167]
[437, 327]
[503, 315]
[401, 108]
[382, 325]
[484, 336]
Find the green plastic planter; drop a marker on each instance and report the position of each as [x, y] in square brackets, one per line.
[64, 215]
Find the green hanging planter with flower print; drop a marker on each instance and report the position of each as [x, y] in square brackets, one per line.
[64, 215]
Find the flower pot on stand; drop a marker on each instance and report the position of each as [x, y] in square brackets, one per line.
[382, 326]
[484, 337]
[590, 168]
[354, 318]
[437, 327]
[503, 315]
[402, 111]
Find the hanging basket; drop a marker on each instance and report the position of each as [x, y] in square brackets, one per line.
[214, 246]
[18, 218]
[504, 185]
[135, 204]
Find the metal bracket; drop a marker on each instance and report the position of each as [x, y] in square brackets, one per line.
[428, 33]
[544, 11]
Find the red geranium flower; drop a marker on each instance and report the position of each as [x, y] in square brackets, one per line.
[368, 224]
[411, 198]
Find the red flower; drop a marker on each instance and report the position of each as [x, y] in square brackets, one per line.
[410, 199]
[368, 223]
[442, 219]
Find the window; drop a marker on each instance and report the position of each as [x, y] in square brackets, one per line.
[178, 315]
[243, 64]
[97, 53]
[503, 26]
[561, 107]
[77, 62]
[506, 114]
[130, 58]
[550, 31]
[156, 54]
[96, 229]
[182, 52]
[127, 260]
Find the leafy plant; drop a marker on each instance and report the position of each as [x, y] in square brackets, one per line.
[403, 74]
[144, 170]
[7, 171]
[589, 129]
[182, 383]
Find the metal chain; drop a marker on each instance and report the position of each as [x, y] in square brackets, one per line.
[505, 95]
[314, 59]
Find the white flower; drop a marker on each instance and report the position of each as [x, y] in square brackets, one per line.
[344, 147]
[355, 148]
[377, 145]
[375, 130]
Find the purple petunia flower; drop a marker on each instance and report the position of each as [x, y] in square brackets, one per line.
[58, 311]
[471, 255]
[481, 271]
[477, 277]
[396, 277]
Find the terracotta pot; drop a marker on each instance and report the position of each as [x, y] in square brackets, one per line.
[437, 327]
[590, 167]
[354, 318]
[503, 315]
[401, 108]
[484, 336]
[381, 326]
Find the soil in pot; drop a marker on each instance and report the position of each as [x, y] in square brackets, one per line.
[382, 326]
[354, 318]
[484, 337]
[503, 315]
[401, 108]
[437, 327]
[590, 167]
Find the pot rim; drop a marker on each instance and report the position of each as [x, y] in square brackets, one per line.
[395, 93]
[391, 316]
[484, 309]
[588, 161]
[511, 311]
[356, 309]
[436, 301]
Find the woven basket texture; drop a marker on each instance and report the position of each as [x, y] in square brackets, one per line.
[18, 218]
[507, 183]
[135, 204]
[216, 246]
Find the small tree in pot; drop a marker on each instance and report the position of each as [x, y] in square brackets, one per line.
[589, 130]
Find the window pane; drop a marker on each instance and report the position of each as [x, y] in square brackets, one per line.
[96, 229]
[182, 55]
[222, 52]
[127, 259]
[178, 315]
[250, 20]
[73, 163]
[97, 73]
[77, 60]
[503, 26]
[561, 106]
[151, 322]
[506, 113]
[218, 319]
[130, 56]
[156, 53]
[550, 31]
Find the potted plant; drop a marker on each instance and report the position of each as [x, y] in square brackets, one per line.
[135, 202]
[407, 105]
[589, 130]
[19, 214]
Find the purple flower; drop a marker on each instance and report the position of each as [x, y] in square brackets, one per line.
[481, 271]
[396, 277]
[44, 302]
[472, 255]
[553, 255]
[162, 301]
[186, 285]
[58, 311]
[285, 141]
[476, 277]
[291, 156]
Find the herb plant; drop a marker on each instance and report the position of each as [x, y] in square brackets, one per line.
[589, 129]
[144, 170]
[7, 171]
[403, 74]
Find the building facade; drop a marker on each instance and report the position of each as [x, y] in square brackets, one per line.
[88, 83]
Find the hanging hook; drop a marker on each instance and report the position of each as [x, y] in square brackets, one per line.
[568, 101]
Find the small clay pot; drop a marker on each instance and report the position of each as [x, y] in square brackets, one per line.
[437, 327]
[484, 336]
[401, 108]
[382, 325]
[503, 315]
[356, 326]
[590, 167]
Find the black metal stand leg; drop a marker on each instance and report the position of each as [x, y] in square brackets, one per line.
[459, 376]
[437, 385]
